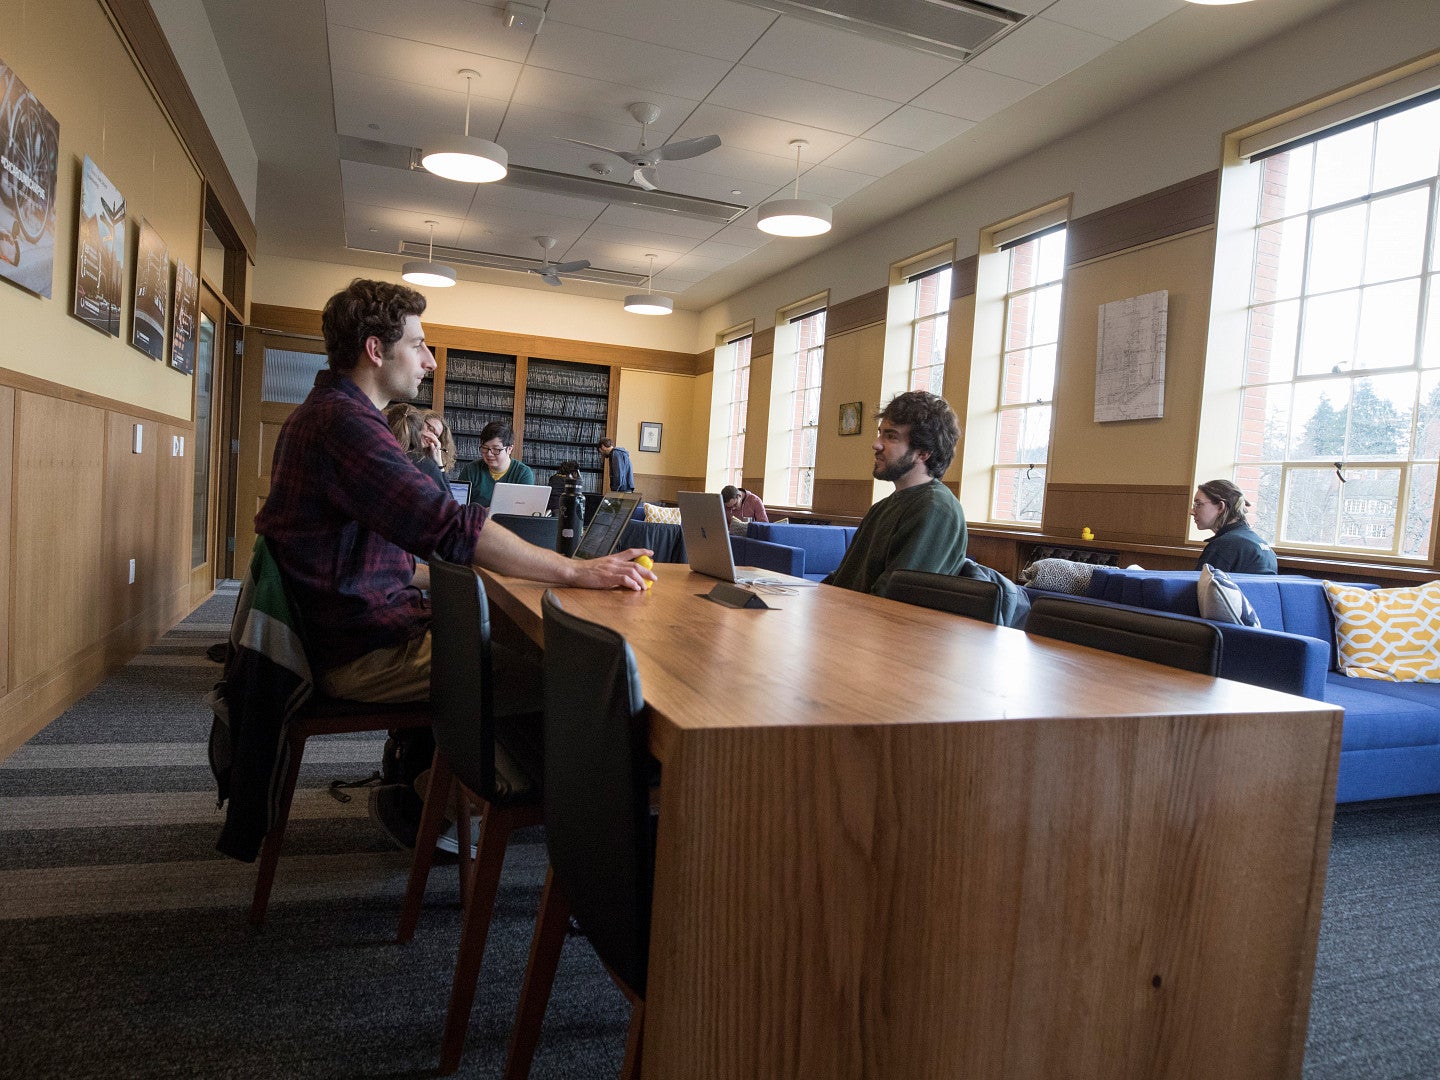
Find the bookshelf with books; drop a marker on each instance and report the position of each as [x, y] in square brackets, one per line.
[479, 387]
[566, 414]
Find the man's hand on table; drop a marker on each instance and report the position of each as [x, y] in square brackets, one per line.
[618, 571]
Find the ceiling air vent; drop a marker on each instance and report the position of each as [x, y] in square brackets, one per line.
[954, 29]
[495, 261]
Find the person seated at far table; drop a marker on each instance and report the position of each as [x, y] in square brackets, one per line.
[436, 425]
[742, 504]
[1220, 506]
[565, 472]
[495, 465]
[921, 526]
[407, 424]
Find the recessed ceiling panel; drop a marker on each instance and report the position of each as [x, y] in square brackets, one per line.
[633, 217]
[468, 25]
[821, 54]
[650, 239]
[388, 57]
[1041, 51]
[600, 99]
[974, 93]
[407, 113]
[617, 59]
[715, 28]
[762, 134]
[418, 192]
[767, 93]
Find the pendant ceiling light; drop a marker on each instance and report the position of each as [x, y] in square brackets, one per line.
[795, 216]
[429, 272]
[469, 160]
[648, 303]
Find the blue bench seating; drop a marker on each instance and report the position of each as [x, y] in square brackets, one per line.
[823, 546]
[668, 543]
[1390, 746]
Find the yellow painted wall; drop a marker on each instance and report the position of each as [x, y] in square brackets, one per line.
[671, 400]
[67, 52]
[852, 373]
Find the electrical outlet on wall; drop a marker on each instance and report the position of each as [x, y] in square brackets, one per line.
[139, 439]
[132, 571]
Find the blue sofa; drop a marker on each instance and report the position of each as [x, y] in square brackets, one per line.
[668, 543]
[822, 546]
[1391, 741]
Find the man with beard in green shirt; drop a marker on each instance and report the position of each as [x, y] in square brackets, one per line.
[921, 526]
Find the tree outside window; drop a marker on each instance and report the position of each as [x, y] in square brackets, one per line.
[805, 409]
[735, 410]
[929, 329]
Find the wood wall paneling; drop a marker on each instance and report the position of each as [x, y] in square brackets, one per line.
[762, 343]
[856, 312]
[847, 497]
[704, 361]
[1179, 208]
[658, 488]
[1137, 514]
[7, 446]
[129, 517]
[964, 276]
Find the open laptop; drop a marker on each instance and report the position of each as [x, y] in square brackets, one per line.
[611, 517]
[460, 491]
[707, 542]
[528, 500]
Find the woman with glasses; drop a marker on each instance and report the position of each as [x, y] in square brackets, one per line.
[495, 465]
[1219, 507]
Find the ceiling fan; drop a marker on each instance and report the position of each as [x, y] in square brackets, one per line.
[644, 159]
[550, 272]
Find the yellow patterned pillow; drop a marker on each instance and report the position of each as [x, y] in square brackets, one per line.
[1390, 634]
[666, 515]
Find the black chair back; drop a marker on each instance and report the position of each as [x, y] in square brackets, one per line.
[462, 695]
[540, 531]
[974, 598]
[1175, 640]
[597, 803]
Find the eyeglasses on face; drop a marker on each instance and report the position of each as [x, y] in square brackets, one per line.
[489, 450]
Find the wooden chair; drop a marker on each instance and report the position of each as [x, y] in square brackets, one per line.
[486, 755]
[1175, 640]
[599, 828]
[974, 598]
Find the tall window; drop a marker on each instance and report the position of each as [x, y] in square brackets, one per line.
[929, 328]
[1027, 377]
[735, 409]
[805, 408]
[1339, 431]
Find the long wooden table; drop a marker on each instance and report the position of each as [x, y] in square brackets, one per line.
[896, 843]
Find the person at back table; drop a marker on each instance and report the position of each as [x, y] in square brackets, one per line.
[622, 477]
[495, 465]
[742, 504]
[921, 526]
[420, 444]
[1236, 548]
[347, 514]
[567, 471]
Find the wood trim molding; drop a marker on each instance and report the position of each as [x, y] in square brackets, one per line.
[705, 362]
[762, 343]
[963, 276]
[1136, 514]
[859, 311]
[20, 381]
[141, 32]
[1170, 211]
[305, 322]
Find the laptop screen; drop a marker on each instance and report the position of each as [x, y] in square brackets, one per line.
[609, 522]
[460, 491]
[520, 499]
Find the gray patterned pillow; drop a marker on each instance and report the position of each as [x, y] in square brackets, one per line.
[1058, 575]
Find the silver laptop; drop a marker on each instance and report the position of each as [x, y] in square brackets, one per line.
[707, 543]
[529, 500]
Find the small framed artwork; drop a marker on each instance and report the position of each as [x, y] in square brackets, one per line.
[650, 437]
[850, 418]
[99, 251]
[187, 311]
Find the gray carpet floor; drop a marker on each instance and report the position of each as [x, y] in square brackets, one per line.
[124, 950]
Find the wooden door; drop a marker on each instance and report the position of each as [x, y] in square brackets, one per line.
[279, 371]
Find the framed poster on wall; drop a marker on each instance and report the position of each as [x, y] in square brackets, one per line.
[99, 251]
[187, 314]
[152, 292]
[29, 161]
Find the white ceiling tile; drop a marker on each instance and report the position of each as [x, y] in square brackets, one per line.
[823, 54]
[833, 182]
[1114, 19]
[509, 197]
[749, 170]
[1041, 51]
[665, 245]
[768, 93]
[616, 255]
[514, 234]
[763, 134]
[382, 228]
[711, 27]
[466, 25]
[635, 217]
[407, 114]
[870, 158]
[974, 93]
[417, 192]
[617, 59]
[607, 101]
[418, 62]
[918, 129]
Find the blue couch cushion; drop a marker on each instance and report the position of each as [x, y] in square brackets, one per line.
[1381, 714]
[824, 545]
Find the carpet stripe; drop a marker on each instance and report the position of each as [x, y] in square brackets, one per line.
[125, 810]
[140, 755]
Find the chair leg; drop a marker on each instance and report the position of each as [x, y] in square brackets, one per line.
[550, 926]
[634, 1041]
[431, 820]
[496, 825]
[463, 822]
[275, 838]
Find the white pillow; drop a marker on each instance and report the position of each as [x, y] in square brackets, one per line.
[739, 526]
[1221, 600]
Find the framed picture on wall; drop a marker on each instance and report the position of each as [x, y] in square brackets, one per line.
[650, 437]
[850, 417]
[99, 251]
[30, 151]
[152, 292]
[187, 313]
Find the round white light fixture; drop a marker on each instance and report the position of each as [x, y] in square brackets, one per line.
[436, 275]
[466, 158]
[649, 303]
[794, 216]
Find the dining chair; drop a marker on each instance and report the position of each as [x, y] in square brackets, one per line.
[974, 598]
[488, 755]
[1174, 640]
[599, 825]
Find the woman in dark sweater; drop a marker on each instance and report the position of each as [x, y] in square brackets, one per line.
[1236, 548]
[421, 446]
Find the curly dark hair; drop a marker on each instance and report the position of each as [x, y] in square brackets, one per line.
[366, 309]
[934, 427]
